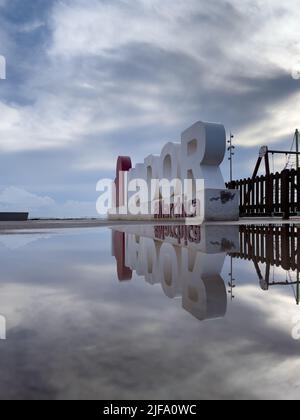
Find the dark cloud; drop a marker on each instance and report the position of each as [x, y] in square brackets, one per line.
[79, 93]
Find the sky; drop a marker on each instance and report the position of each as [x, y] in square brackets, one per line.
[88, 81]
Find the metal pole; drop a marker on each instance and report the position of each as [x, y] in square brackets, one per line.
[231, 154]
[297, 149]
[231, 283]
[298, 288]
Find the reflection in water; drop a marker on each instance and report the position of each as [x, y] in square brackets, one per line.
[187, 261]
[69, 321]
[272, 246]
[118, 251]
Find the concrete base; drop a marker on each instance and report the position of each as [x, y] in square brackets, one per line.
[221, 205]
[215, 205]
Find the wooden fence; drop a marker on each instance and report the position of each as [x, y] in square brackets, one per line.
[274, 195]
[272, 245]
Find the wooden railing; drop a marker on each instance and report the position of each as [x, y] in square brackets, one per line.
[272, 246]
[277, 194]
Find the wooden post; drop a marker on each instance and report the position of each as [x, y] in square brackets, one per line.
[269, 187]
[269, 194]
[285, 248]
[298, 190]
[257, 166]
[267, 164]
[285, 194]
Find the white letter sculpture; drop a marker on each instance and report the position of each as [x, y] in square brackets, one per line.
[184, 181]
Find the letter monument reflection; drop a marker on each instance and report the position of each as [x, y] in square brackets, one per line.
[184, 181]
[186, 261]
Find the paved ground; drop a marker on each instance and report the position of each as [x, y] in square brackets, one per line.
[67, 224]
[50, 224]
[86, 223]
[260, 221]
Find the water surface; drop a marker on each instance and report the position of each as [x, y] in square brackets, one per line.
[150, 313]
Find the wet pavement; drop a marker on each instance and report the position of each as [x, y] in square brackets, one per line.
[151, 312]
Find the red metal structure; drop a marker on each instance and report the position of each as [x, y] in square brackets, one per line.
[124, 164]
[119, 252]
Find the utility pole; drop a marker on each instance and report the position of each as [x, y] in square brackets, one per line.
[297, 149]
[231, 154]
[298, 288]
[231, 283]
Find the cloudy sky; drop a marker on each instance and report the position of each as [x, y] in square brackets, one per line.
[90, 80]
